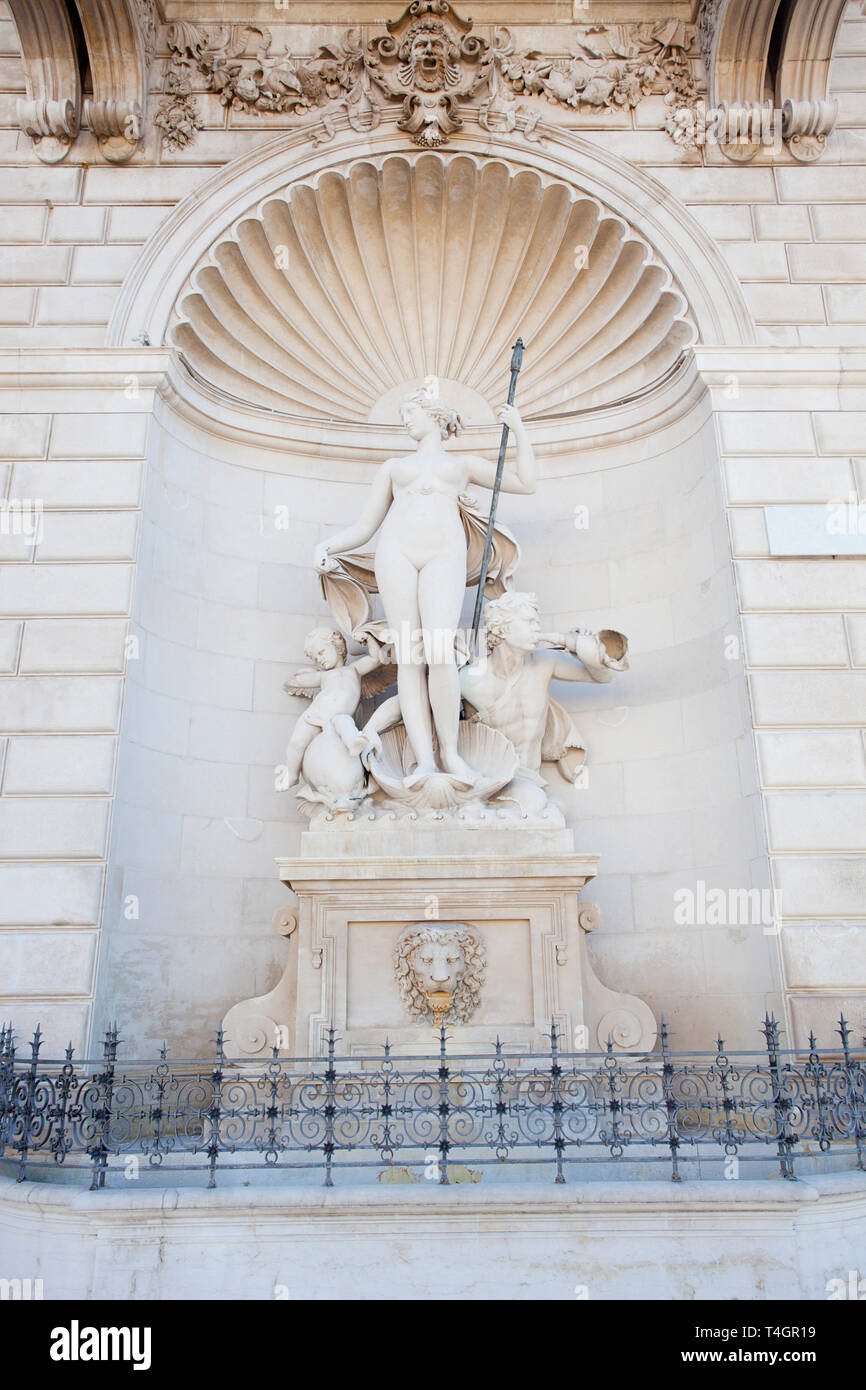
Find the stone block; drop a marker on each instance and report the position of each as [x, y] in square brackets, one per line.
[64, 828]
[110, 185]
[34, 265]
[135, 222]
[768, 480]
[83, 764]
[821, 887]
[795, 639]
[47, 963]
[783, 222]
[846, 303]
[785, 303]
[76, 304]
[762, 261]
[16, 306]
[37, 183]
[810, 697]
[838, 222]
[821, 183]
[724, 223]
[842, 432]
[750, 432]
[84, 484]
[718, 185]
[50, 894]
[72, 645]
[10, 641]
[99, 436]
[20, 224]
[76, 225]
[48, 590]
[828, 261]
[88, 536]
[61, 704]
[811, 822]
[102, 265]
[801, 584]
[833, 954]
[830, 758]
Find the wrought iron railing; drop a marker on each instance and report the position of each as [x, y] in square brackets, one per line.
[565, 1110]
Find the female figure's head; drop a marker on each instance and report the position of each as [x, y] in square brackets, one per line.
[421, 411]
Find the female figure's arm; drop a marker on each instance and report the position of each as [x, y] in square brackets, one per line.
[372, 515]
[517, 477]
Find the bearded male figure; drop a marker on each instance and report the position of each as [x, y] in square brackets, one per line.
[508, 688]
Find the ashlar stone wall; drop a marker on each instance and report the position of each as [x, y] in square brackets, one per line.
[76, 432]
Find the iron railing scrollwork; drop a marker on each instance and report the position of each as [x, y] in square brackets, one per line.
[570, 1111]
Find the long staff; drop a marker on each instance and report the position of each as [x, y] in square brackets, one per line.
[516, 364]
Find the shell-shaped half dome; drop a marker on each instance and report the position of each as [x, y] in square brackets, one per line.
[342, 290]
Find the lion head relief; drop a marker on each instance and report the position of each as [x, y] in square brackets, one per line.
[445, 956]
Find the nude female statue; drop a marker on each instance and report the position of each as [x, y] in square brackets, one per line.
[421, 566]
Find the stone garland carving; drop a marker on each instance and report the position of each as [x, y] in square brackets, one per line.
[429, 61]
[440, 970]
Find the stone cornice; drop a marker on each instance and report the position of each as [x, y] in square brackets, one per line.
[782, 366]
[84, 369]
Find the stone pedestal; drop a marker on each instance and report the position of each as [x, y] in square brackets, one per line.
[518, 894]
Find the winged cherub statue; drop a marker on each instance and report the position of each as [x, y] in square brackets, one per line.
[326, 743]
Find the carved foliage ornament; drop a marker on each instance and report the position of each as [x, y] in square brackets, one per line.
[429, 61]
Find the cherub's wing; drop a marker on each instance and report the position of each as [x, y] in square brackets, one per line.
[294, 687]
[379, 679]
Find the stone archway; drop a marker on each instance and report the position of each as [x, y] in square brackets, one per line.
[676, 238]
[331, 298]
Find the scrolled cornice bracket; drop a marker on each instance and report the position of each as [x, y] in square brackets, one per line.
[49, 113]
[806, 125]
[117, 126]
[117, 48]
[52, 125]
[759, 54]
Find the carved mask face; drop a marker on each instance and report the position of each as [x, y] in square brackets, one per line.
[427, 55]
[439, 964]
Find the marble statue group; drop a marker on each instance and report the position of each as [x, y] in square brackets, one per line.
[462, 728]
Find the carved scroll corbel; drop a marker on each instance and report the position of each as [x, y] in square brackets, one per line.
[49, 113]
[117, 127]
[806, 125]
[118, 63]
